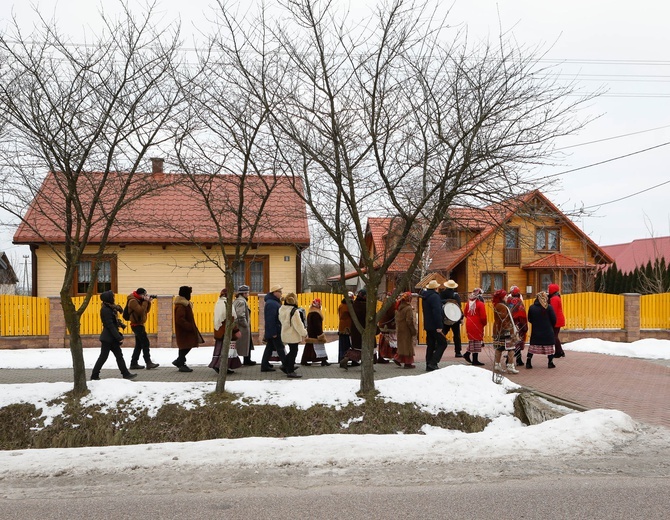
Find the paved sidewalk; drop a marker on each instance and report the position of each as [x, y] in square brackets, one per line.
[640, 388]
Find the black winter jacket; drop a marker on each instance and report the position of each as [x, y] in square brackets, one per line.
[543, 321]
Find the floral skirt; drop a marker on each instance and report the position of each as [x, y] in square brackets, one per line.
[388, 345]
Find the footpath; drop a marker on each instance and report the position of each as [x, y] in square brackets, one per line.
[640, 388]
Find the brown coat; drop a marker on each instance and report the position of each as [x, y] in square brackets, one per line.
[185, 330]
[405, 329]
[344, 326]
[138, 310]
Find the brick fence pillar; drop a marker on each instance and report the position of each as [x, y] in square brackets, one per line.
[631, 316]
[261, 317]
[164, 327]
[57, 328]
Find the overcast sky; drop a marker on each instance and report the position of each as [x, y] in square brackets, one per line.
[622, 47]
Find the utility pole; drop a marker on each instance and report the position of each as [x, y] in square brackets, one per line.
[25, 285]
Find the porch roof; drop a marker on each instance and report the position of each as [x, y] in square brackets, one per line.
[559, 261]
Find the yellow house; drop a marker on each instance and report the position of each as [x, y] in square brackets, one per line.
[168, 238]
[526, 241]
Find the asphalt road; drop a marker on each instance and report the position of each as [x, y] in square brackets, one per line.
[545, 497]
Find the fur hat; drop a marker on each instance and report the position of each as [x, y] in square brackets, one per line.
[432, 284]
[242, 289]
[450, 284]
[276, 288]
[185, 291]
[291, 299]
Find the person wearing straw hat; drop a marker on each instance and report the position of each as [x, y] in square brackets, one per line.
[449, 294]
[436, 343]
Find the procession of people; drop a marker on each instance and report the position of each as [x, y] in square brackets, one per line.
[286, 324]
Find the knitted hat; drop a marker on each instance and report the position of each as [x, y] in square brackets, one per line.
[242, 289]
[553, 288]
[316, 303]
[185, 291]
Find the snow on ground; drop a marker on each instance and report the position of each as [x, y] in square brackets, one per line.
[454, 388]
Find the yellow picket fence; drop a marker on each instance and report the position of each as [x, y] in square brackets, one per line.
[23, 316]
[655, 311]
[29, 316]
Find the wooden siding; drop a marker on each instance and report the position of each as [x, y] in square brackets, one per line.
[163, 271]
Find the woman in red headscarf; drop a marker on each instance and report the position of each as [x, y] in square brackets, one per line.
[406, 332]
[315, 344]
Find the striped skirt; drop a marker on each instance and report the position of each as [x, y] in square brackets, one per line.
[475, 346]
[545, 350]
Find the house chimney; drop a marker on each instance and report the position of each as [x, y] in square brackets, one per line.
[156, 165]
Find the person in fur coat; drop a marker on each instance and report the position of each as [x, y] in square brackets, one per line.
[186, 331]
[315, 336]
[406, 331]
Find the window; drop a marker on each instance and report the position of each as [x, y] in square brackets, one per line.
[512, 252]
[546, 278]
[254, 272]
[106, 279]
[568, 283]
[491, 282]
[547, 239]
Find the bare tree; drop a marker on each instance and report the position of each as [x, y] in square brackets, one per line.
[229, 158]
[83, 111]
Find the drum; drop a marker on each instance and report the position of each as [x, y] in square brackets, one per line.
[452, 313]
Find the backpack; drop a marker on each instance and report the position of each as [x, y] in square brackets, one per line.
[126, 311]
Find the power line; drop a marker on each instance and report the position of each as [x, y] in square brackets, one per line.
[613, 137]
[626, 196]
[607, 160]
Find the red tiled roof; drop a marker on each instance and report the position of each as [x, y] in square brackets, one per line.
[639, 252]
[174, 213]
[557, 260]
[484, 221]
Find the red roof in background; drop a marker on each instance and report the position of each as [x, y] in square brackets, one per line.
[639, 252]
[483, 220]
[175, 213]
[557, 260]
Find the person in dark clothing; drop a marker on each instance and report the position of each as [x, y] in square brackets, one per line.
[556, 303]
[543, 319]
[450, 294]
[110, 337]
[273, 333]
[360, 311]
[187, 335]
[433, 324]
[344, 327]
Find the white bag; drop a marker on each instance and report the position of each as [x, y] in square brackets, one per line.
[232, 352]
[320, 350]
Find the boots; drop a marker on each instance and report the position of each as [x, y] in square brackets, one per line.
[497, 367]
[344, 362]
[519, 361]
[511, 369]
[528, 358]
[551, 362]
[466, 356]
[475, 360]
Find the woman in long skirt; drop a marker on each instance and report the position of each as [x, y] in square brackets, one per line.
[315, 344]
[406, 331]
[542, 317]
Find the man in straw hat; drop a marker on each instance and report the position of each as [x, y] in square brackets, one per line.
[433, 324]
[449, 294]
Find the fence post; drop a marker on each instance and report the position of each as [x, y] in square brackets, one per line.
[57, 328]
[631, 316]
[164, 321]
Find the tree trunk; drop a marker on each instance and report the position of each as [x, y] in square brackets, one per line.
[72, 321]
[369, 342]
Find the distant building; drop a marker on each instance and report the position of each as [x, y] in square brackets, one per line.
[639, 252]
[8, 278]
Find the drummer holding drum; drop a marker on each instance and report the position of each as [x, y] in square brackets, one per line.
[453, 315]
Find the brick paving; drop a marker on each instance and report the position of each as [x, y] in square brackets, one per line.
[640, 388]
